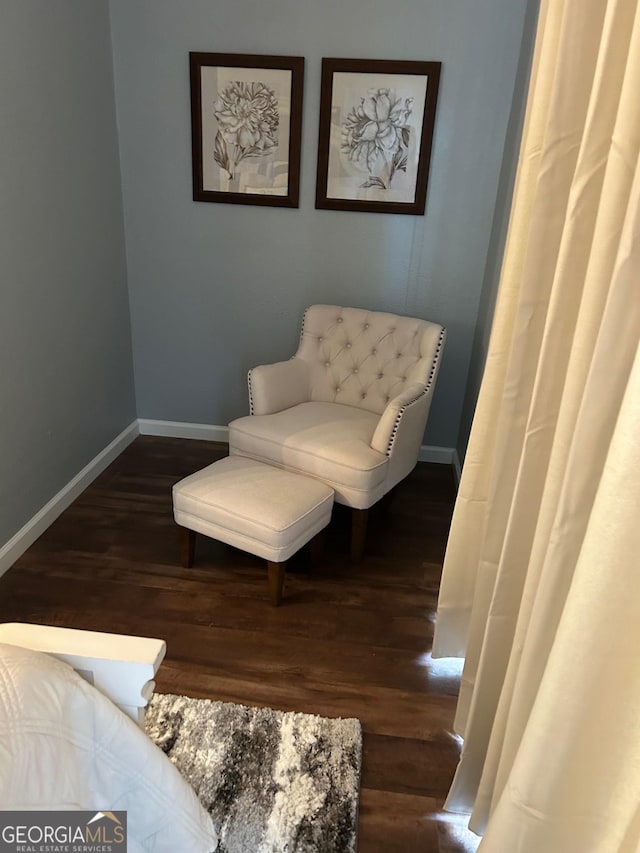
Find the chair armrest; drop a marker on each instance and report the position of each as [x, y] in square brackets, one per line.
[274, 387]
[401, 428]
[121, 667]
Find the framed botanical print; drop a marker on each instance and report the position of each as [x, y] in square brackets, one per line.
[246, 118]
[376, 128]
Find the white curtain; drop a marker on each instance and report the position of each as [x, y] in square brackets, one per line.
[541, 583]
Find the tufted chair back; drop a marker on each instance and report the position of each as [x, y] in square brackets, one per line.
[365, 358]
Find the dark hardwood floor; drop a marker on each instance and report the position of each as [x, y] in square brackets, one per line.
[348, 640]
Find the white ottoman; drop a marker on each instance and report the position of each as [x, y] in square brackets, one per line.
[255, 507]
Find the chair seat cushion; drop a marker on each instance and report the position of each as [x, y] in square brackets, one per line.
[264, 510]
[325, 440]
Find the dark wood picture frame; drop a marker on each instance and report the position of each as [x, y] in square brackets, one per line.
[242, 152]
[370, 142]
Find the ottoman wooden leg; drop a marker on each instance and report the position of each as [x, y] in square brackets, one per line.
[187, 546]
[276, 581]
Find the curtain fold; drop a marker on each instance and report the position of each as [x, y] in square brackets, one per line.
[532, 566]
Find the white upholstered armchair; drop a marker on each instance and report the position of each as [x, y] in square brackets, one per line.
[349, 408]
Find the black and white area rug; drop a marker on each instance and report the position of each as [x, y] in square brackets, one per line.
[273, 782]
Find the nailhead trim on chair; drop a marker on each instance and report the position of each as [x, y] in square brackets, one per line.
[436, 357]
[250, 392]
[396, 426]
[304, 317]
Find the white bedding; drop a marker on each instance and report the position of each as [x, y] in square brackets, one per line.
[63, 745]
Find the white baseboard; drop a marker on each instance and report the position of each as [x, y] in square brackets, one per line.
[27, 535]
[432, 453]
[442, 456]
[177, 429]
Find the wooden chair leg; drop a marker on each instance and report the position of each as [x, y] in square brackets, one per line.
[358, 533]
[187, 546]
[317, 548]
[276, 572]
[387, 501]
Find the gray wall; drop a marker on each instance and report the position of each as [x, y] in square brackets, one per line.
[66, 387]
[499, 231]
[216, 288]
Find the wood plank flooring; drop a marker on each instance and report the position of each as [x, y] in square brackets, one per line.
[347, 641]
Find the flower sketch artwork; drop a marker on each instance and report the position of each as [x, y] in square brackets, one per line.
[248, 122]
[245, 130]
[376, 126]
[376, 136]
[246, 118]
